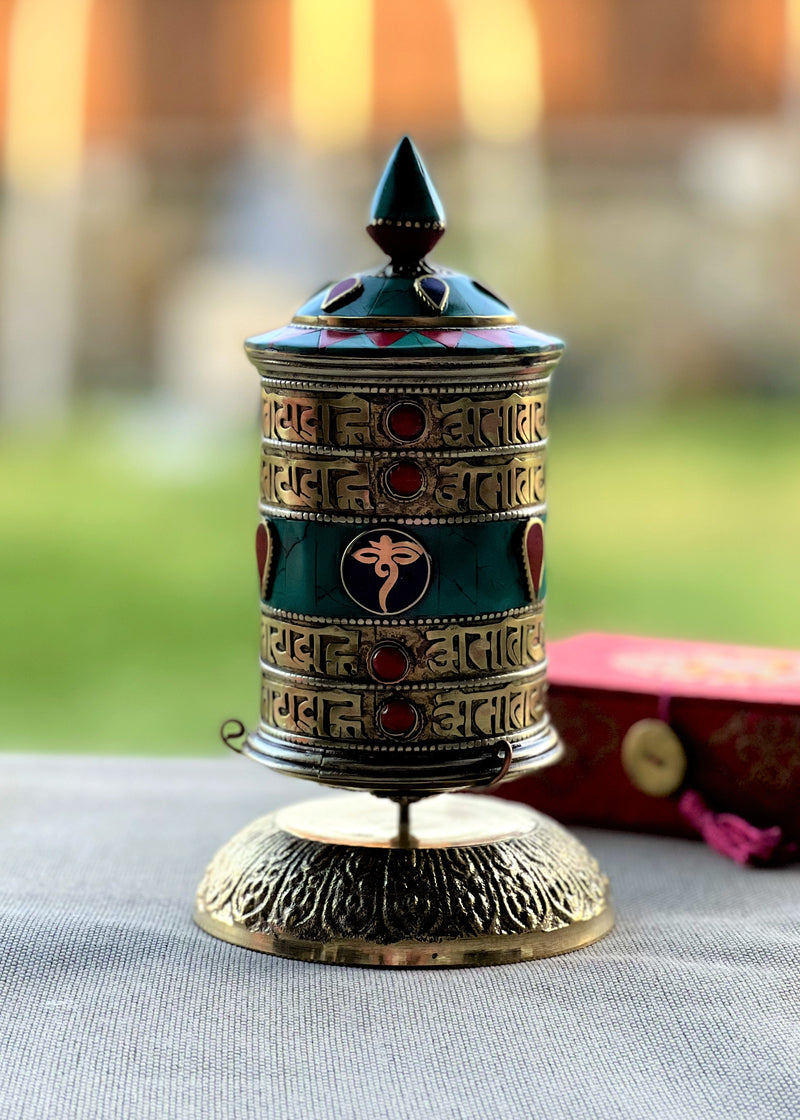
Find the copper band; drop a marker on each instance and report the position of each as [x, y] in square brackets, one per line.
[437, 650]
[486, 710]
[356, 420]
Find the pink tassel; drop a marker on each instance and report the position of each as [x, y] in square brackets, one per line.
[730, 835]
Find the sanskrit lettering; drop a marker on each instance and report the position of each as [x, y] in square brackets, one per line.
[315, 484]
[513, 643]
[478, 487]
[341, 421]
[488, 712]
[329, 713]
[328, 651]
[514, 419]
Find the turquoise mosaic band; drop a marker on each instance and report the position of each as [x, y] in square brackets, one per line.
[474, 568]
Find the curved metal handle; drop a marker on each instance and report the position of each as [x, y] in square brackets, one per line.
[231, 732]
[504, 748]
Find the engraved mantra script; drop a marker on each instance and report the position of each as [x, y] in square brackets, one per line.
[515, 419]
[315, 484]
[353, 421]
[450, 715]
[338, 421]
[465, 488]
[353, 486]
[455, 650]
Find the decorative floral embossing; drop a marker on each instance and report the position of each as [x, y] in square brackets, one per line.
[272, 882]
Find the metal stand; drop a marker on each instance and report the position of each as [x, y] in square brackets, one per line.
[343, 880]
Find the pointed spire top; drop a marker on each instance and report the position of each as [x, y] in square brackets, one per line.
[407, 216]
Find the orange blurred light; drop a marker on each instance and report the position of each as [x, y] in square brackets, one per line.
[499, 68]
[331, 82]
[48, 47]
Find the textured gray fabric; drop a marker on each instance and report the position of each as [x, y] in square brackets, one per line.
[115, 1005]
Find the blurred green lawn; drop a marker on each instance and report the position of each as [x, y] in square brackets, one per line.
[129, 600]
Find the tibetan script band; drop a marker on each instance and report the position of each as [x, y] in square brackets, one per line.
[351, 420]
[453, 650]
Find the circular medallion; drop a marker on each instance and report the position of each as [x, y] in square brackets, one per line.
[653, 758]
[385, 571]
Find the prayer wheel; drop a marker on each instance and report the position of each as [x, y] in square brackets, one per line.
[401, 542]
[400, 555]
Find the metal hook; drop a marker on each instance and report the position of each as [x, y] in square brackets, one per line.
[230, 732]
[503, 747]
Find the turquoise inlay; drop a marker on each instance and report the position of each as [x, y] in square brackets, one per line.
[405, 202]
[413, 341]
[405, 190]
[514, 339]
[476, 568]
[355, 342]
[395, 295]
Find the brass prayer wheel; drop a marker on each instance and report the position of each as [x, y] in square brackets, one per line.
[400, 552]
[401, 541]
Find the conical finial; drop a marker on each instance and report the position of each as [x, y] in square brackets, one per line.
[407, 216]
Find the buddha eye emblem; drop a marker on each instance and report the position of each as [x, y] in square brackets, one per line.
[385, 571]
[385, 555]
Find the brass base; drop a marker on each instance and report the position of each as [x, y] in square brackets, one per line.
[472, 881]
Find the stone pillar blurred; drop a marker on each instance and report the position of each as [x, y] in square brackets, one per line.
[500, 80]
[48, 46]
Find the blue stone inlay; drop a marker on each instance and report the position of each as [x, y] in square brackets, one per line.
[435, 289]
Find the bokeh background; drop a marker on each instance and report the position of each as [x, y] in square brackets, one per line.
[178, 174]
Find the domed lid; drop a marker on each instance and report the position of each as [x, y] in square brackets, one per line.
[409, 307]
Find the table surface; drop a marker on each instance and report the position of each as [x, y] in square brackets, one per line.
[116, 1005]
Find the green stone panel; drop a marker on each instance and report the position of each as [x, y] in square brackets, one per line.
[476, 568]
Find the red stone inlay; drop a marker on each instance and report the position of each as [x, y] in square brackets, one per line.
[262, 550]
[389, 662]
[330, 337]
[404, 480]
[384, 338]
[398, 717]
[534, 547]
[405, 422]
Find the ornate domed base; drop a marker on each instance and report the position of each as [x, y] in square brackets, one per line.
[473, 881]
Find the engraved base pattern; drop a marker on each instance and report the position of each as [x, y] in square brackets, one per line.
[267, 881]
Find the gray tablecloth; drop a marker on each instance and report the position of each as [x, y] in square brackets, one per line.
[115, 1005]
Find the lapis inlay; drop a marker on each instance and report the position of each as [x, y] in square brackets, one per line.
[433, 290]
[343, 293]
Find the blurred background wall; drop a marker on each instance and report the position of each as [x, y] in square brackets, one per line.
[178, 174]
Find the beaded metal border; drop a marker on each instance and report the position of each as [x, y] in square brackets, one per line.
[421, 620]
[521, 513]
[407, 387]
[406, 452]
[462, 684]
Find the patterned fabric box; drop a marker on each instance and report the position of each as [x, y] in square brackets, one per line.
[678, 738]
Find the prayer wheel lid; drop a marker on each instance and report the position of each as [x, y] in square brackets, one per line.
[410, 307]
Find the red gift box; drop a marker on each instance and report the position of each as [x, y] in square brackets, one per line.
[735, 711]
